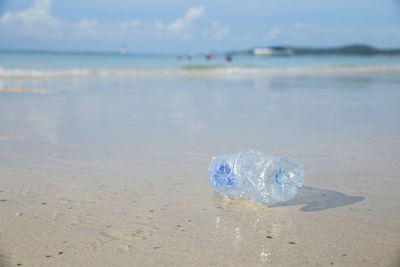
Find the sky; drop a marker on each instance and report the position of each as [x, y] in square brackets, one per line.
[178, 26]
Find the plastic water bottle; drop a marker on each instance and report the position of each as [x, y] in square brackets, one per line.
[256, 177]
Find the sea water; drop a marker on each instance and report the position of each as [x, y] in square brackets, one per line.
[152, 102]
[43, 65]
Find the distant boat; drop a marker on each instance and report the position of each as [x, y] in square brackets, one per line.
[123, 51]
[272, 51]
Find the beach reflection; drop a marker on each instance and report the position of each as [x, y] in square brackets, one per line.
[21, 118]
[167, 112]
[176, 112]
[252, 233]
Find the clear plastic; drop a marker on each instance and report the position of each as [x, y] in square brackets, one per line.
[256, 177]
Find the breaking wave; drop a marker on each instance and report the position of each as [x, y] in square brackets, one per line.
[209, 71]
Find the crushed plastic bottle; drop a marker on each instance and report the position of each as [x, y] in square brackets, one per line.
[256, 177]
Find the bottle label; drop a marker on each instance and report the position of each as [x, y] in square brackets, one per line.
[224, 175]
[281, 177]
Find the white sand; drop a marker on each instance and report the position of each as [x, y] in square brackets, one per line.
[62, 211]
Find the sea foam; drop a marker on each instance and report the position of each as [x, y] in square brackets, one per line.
[209, 71]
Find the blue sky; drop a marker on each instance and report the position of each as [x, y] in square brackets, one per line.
[176, 26]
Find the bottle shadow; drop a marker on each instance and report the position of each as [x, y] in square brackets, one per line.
[316, 199]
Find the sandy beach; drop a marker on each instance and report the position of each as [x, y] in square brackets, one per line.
[111, 171]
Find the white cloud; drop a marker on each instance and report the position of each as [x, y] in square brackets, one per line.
[273, 33]
[157, 25]
[191, 15]
[86, 26]
[185, 27]
[219, 32]
[39, 13]
[135, 23]
[37, 21]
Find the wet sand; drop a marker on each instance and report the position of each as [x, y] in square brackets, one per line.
[113, 172]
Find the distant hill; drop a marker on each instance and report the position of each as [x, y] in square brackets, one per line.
[354, 49]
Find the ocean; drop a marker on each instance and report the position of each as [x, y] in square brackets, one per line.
[42, 65]
[279, 97]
